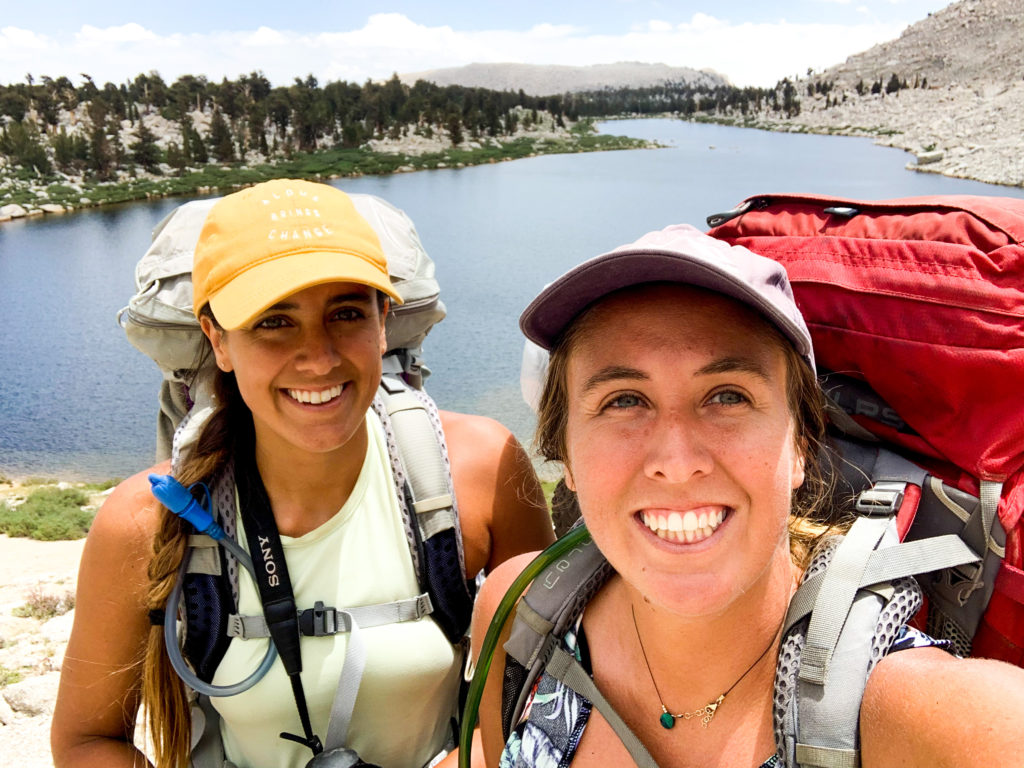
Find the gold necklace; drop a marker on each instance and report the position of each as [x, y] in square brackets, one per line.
[707, 712]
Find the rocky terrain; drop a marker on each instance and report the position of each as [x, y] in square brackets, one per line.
[965, 123]
[540, 80]
[37, 584]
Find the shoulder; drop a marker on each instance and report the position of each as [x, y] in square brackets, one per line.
[493, 590]
[123, 529]
[935, 705]
[484, 454]
[501, 505]
[468, 433]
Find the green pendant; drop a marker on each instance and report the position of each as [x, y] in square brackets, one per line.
[667, 721]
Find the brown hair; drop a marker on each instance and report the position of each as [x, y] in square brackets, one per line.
[164, 695]
[812, 514]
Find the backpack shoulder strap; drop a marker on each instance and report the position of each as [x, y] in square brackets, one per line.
[544, 614]
[856, 595]
[552, 604]
[422, 474]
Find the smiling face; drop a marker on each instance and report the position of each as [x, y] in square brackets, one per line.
[680, 444]
[308, 368]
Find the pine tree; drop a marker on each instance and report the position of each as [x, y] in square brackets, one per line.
[455, 129]
[176, 158]
[221, 143]
[145, 151]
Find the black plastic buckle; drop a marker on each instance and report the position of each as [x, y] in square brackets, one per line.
[883, 499]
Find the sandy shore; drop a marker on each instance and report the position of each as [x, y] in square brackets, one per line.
[31, 649]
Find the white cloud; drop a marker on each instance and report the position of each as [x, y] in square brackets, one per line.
[749, 54]
[656, 25]
[265, 36]
[13, 38]
[126, 33]
[701, 22]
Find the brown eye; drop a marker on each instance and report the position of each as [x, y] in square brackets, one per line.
[271, 323]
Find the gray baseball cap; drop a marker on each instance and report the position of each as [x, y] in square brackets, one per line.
[676, 254]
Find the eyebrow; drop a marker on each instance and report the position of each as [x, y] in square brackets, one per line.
[733, 364]
[722, 365]
[613, 373]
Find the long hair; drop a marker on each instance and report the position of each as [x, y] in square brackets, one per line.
[164, 695]
[812, 513]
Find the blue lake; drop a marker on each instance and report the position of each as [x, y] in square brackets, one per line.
[77, 401]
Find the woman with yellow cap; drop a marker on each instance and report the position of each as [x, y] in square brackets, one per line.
[291, 288]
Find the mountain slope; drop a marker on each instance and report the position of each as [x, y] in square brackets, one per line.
[542, 80]
[967, 42]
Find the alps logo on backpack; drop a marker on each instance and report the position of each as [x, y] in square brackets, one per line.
[916, 306]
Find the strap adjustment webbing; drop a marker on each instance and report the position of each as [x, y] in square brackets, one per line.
[319, 620]
[827, 757]
[564, 667]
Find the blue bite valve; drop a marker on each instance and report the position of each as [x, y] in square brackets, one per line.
[177, 498]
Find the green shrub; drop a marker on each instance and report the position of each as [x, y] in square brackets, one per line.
[48, 514]
[8, 676]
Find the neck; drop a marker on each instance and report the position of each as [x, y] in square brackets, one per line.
[306, 490]
[696, 659]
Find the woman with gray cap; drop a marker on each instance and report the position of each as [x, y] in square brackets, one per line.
[292, 290]
[682, 401]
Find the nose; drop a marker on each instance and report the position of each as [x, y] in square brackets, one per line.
[676, 451]
[315, 352]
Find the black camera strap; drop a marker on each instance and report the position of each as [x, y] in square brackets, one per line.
[272, 581]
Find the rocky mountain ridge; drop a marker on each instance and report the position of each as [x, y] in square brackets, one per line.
[544, 80]
[967, 42]
[964, 119]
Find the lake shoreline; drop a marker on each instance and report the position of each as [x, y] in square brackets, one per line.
[382, 157]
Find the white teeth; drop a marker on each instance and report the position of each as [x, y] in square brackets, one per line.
[684, 527]
[314, 397]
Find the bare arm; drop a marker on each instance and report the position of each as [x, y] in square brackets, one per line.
[924, 708]
[501, 504]
[94, 718]
[490, 737]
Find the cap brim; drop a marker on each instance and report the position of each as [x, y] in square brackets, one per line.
[548, 315]
[265, 284]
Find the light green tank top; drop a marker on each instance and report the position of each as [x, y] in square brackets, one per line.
[409, 688]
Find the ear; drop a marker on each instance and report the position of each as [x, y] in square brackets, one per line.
[798, 471]
[383, 326]
[569, 482]
[217, 341]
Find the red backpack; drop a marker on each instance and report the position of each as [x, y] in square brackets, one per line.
[916, 309]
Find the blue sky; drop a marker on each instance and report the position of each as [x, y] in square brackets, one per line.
[752, 43]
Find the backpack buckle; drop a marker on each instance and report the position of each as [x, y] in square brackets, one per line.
[318, 621]
[883, 499]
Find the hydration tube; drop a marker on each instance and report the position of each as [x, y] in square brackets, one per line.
[180, 501]
[554, 552]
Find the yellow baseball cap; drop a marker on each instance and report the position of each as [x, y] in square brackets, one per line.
[269, 241]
